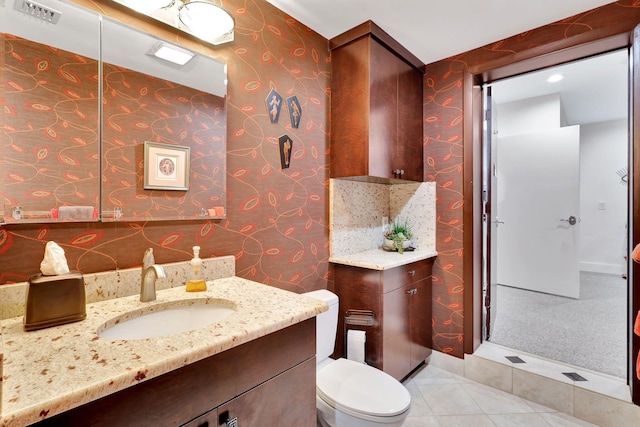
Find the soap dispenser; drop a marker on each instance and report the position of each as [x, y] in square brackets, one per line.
[196, 281]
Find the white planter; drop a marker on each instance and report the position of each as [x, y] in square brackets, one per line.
[389, 244]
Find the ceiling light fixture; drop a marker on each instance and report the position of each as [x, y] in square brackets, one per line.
[202, 19]
[146, 6]
[205, 20]
[555, 78]
[171, 53]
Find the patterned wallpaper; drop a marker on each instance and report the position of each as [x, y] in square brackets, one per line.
[277, 219]
[49, 126]
[137, 108]
[443, 139]
[276, 223]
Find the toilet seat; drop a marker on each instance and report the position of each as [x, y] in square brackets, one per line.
[361, 390]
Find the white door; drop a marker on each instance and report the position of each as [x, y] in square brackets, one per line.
[538, 201]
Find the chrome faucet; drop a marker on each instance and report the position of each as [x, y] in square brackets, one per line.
[150, 272]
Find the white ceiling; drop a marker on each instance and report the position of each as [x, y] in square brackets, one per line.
[435, 29]
[592, 90]
[432, 30]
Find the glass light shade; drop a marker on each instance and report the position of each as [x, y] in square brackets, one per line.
[205, 20]
[146, 6]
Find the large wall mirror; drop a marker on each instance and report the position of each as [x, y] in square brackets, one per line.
[118, 136]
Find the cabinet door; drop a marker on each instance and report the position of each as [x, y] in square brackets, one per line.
[409, 155]
[210, 419]
[383, 119]
[286, 400]
[396, 333]
[420, 321]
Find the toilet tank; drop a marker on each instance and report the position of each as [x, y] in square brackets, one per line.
[326, 324]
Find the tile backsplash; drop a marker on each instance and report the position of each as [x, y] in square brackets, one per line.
[119, 283]
[357, 210]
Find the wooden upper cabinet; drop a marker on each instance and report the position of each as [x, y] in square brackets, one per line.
[376, 108]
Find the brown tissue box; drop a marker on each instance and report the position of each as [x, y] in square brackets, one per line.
[54, 300]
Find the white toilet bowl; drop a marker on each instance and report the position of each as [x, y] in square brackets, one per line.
[352, 394]
[349, 393]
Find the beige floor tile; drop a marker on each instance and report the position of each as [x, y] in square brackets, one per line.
[449, 399]
[559, 419]
[518, 420]
[465, 421]
[429, 421]
[494, 401]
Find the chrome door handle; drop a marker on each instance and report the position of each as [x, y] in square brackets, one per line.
[572, 220]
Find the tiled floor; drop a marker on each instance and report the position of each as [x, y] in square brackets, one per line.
[440, 398]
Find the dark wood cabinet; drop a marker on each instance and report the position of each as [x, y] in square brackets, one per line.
[376, 108]
[269, 381]
[400, 298]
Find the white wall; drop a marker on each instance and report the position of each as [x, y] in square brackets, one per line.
[603, 151]
[603, 199]
[529, 115]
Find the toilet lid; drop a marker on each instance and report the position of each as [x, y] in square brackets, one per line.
[360, 388]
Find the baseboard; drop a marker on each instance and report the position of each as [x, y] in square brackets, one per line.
[447, 362]
[597, 267]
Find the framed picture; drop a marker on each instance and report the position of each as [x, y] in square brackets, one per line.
[274, 105]
[166, 167]
[295, 111]
[286, 146]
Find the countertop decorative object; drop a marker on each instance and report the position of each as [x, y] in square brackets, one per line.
[52, 370]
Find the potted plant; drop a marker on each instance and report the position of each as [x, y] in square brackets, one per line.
[398, 236]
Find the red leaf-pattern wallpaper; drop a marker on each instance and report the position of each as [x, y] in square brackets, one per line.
[49, 127]
[443, 145]
[443, 139]
[138, 108]
[277, 219]
[276, 223]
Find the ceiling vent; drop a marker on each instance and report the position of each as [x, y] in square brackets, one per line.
[37, 10]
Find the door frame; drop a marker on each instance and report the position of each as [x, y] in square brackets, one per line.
[544, 56]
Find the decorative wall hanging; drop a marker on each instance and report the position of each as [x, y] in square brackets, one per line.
[274, 105]
[166, 167]
[295, 111]
[286, 146]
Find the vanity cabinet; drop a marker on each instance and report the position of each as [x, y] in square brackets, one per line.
[376, 108]
[399, 339]
[269, 381]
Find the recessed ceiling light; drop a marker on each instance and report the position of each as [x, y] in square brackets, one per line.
[555, 78]
[170, 53]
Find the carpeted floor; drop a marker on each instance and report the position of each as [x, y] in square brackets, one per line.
[589, 332]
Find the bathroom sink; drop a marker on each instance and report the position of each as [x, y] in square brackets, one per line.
[166, 319]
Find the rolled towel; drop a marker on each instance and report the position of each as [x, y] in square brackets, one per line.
[635, 255]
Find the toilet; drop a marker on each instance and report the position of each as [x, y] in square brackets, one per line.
[349, 393]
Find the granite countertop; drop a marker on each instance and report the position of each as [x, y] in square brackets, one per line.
[49, 371]
[379, 259]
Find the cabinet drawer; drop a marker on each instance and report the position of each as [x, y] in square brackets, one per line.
[403, 275]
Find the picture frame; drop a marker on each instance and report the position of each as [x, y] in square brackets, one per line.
[166, 167]
[295, 111]
[273, 102]
[286, 148]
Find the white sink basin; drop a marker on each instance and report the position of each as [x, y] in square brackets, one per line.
[166, 319]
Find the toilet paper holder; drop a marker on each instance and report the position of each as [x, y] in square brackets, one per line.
[358, 317]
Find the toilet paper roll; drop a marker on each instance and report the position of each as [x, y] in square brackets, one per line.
[355, 345]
